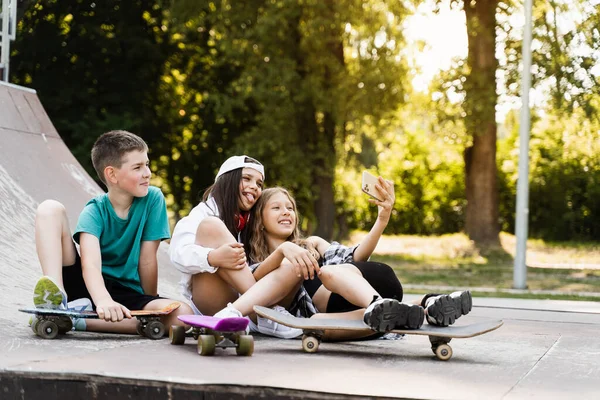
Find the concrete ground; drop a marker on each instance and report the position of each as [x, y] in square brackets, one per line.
[545, 349]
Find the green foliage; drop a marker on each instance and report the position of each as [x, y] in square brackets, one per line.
[425, 163]
[95, 65]
[304, 75]
[564, 199]
[565, 53]
[202, 102]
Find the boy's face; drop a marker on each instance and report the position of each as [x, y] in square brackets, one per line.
[134, 175]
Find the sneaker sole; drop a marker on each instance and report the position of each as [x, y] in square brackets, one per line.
[446, 309]
[391, 314]
[47, 294]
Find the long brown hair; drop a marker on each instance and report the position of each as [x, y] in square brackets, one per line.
[257, 246]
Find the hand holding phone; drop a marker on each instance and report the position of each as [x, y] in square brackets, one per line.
[368, 185]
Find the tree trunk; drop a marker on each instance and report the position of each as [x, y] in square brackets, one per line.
[325, 155]
[481, 223]
[324, 204]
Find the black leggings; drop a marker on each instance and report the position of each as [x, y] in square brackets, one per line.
[380, 276]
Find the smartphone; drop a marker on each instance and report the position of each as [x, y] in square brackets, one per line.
[368, 185]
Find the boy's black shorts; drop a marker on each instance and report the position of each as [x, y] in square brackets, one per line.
[76, 289]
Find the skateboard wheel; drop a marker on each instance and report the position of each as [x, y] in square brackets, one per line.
[139, 328]
[47, 329]
[310, 344]
[206, 345]
[155, 330]
[34, 324]
[443, 352]
[177, 334]
[245, 345]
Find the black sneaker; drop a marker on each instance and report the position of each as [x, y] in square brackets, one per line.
[445, 309]
[384, 315]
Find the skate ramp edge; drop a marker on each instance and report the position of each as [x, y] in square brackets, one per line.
[35, 165]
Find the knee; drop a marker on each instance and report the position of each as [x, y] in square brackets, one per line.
[212, 232]
[209, 225]
[328, 274]
[385, 271]
[389, 281]
[50, 208]
[288, 272]
[185, 309]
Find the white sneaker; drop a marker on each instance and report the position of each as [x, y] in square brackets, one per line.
[229, 312]
[80, 305]
[272, 328]
[252, 326]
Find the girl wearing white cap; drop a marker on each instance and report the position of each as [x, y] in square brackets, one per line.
[205, 248]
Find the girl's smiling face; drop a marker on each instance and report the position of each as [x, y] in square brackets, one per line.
[251, 186]
[279, 216]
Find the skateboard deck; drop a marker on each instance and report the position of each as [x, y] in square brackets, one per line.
[213, 332]
[47, 321]
[439, 337]
[218, 324]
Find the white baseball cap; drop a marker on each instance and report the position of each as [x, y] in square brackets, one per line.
[236, 162]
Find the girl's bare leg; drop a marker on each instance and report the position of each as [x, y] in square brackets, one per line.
[54, 245]
[212, 292]
[347, 281]
[277, 287]
[170, 319]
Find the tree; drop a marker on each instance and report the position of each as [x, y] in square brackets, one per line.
[96, 66]
[476, 79]
[312, 72]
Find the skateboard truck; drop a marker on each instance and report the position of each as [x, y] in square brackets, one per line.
[311, 339]
[221, 333]
[440, 347]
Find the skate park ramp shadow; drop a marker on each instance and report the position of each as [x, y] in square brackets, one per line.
[35, 165]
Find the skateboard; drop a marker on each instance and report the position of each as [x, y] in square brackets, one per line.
[48, 323]
[212, 332]
[439, 337]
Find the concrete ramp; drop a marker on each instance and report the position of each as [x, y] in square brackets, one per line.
[35, 164]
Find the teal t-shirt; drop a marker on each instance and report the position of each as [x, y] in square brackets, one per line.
[121, 239]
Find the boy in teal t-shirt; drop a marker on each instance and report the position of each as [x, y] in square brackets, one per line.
[118, 233]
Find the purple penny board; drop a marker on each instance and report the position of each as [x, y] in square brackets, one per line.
[231, 324]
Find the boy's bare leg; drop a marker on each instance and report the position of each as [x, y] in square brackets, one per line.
[347, 281]
[212, 292]
[54, 245]
[127, 326]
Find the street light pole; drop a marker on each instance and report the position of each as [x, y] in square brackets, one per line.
[520, 268]
[5, 51]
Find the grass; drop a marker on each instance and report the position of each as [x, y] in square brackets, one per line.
[570, 271]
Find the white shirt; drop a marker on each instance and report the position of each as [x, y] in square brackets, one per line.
[188, 257]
